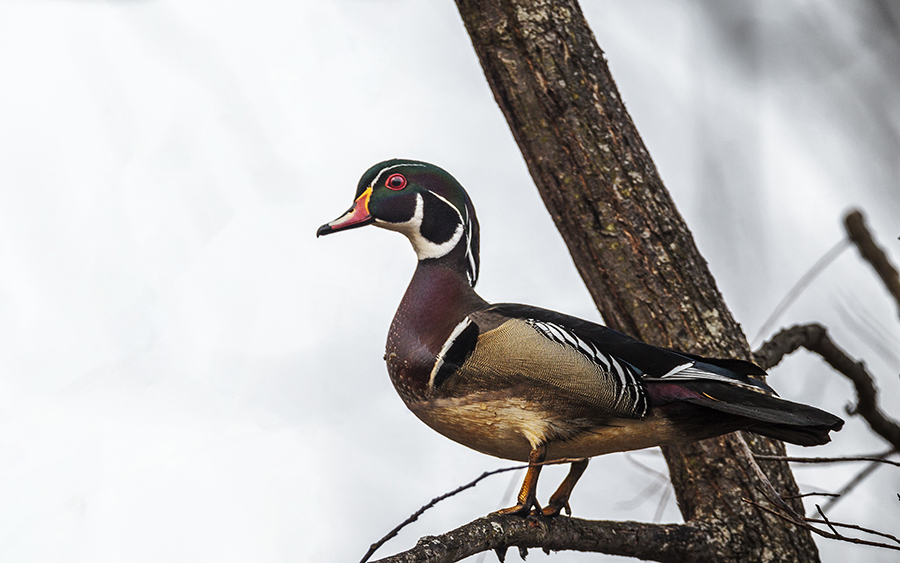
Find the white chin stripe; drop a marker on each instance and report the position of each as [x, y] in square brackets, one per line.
[413, 230]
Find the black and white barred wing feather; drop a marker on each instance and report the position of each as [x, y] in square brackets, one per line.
[619, 378]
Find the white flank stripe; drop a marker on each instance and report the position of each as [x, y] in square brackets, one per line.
[450, 340]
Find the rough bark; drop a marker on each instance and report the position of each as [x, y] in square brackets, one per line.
[654, 542]
[628, 241]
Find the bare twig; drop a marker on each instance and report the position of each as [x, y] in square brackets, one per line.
[805, 523]
[767, 488]
[804, 495]
[880, 458]
[415, 516]
[856, 527]
[855, 224]
[801, 285]
[828, 522]
[815, 338]
[874, 462]
[853, 483]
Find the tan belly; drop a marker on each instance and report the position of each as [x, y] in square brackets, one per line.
[510, 428]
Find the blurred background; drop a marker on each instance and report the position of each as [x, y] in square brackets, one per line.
[187, 374]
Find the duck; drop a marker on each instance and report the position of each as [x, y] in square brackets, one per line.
[528, 384]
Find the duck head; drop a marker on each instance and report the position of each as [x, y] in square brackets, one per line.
[424, 203]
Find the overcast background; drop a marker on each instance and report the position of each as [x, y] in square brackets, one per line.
[187, 374]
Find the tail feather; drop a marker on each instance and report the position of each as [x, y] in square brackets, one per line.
[754, 411]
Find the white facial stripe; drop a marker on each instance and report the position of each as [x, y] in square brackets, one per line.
[446, 347]
[386, 168]
[412, 229]
[453, 207]
[473, 269]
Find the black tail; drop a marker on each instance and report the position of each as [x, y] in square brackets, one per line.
[754, 411]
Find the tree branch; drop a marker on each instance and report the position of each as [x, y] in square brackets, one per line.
[859, 234]
[805, 524]
[815, 338]
[636, 255]
[415, 515]
[652, 542]
[875, 459]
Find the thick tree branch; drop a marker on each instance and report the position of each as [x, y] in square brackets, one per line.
[652, 542]
[815, 338]
[632, 248]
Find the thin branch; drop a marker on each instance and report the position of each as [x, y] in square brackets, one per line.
[815, 338]
[766, 485]
[804, 495]
[805, 523]
[876, 458]
[852, 484]
[855, 224]
[653, 542]
[856, 527]
[798, 288]
[415, 516]
[828, 522]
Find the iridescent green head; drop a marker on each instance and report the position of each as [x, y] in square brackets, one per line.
[423, 202]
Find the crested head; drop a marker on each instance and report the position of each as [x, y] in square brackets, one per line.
[421, 201]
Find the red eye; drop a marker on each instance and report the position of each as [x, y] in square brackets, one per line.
[395, 182]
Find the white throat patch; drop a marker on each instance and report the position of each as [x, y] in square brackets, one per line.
[413, 230]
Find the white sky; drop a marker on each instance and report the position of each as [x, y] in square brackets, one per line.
[187, 374]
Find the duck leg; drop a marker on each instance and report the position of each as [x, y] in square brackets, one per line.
[560, 499]
[527, 498]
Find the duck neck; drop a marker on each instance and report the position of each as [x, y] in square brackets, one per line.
[438, 298]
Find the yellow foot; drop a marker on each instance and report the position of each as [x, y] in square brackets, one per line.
[520, 509]
[552, 510]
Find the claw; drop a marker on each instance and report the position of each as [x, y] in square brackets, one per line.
[553, 510]
[521, 509]
[560, 499]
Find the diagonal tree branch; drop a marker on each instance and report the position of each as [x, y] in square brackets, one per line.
[859, 234]
[630, 244]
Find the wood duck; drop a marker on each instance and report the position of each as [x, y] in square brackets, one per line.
[529, 384]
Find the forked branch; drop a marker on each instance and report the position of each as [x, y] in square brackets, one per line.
[815, 338]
